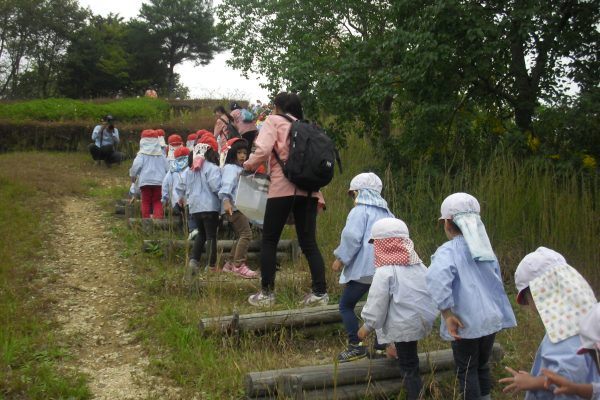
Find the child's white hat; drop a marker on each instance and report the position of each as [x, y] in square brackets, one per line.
[366, 180]
[388, 228]
[589, 330]
[458, 203]
[534, 265]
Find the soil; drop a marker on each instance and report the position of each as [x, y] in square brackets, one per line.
[95, 297]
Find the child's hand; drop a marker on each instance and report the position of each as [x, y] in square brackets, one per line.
[565, 386]
[227, 207]
[181, 202]
[337, 265]
[521, 381]
[363, 332]
[132, 199]
[452, 323]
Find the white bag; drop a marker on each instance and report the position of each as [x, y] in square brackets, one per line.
[251, 197]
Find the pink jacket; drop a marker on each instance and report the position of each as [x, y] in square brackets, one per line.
[274, 135]
[242, 126]
[221, 132]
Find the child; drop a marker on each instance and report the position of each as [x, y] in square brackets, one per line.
[589, 332]
[175, 141]
[191, 141]
[465, 283]
[355, 255]
[398, 305]
[237, 152]
[199, 188]
[560, 295]
[174, 176]
[149, 169]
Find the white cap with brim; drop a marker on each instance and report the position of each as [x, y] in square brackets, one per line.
[366, 180]
[388, 228]
[589, 330]
[458, 203]
[534, 265]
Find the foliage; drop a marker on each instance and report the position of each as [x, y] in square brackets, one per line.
[425, 72]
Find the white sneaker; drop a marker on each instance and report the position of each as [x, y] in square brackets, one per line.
[312, 299]
[260, 299]
[193, 234]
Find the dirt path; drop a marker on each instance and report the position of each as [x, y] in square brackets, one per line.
[95, 296]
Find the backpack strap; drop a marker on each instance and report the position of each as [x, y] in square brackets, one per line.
[279, 161]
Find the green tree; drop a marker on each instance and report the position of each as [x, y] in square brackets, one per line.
[185, 30]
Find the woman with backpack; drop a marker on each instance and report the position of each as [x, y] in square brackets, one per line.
[245, 122]
[285, 198]
[224, 127]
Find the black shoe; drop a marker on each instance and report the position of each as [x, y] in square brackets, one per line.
[353, 352]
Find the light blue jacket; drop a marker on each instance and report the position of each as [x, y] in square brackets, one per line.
[355, 251]
[150, 170]
[169, 186]
[107, 137]
[563, 359]
[473, 290]
[230, 176]
[201, 188]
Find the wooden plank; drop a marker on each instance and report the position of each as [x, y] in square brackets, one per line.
[222, 245]
[275, 319]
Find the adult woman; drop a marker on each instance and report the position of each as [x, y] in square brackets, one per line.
[221, 130]
[285, 198]
[247, 129]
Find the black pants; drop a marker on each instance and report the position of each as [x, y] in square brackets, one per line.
[408, 360]
[207, 223]
[106, 153]
[305, 216]
[471, 357]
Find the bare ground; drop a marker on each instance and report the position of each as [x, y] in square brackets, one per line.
[94, 296]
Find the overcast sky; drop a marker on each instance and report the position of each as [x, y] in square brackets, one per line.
[215, 80]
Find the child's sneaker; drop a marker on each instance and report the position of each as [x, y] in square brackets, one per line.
[246, 272]
[229, 267]
[193, 269]
[193, 234]
[353, 352]
[312, 299]
[260, 299]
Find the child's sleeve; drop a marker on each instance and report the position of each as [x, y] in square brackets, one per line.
[136, 168]
[352, 237]
[213, 177]
[228, 183]
[374, 313]
[181, 185]
[166, 183]
[440, 277]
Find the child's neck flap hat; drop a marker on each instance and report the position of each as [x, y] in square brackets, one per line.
[463, 209]
[174, 142]
[561, 295]
[369, 186]
[161, 137]
[191, 140]
[149, 143]
[205, 143]
[180, 162]
[589, 330]
[392, 243]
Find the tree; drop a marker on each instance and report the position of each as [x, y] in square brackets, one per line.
[185, 30]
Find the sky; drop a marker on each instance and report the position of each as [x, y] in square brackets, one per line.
[215, 80]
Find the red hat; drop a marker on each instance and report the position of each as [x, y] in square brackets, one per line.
[149, 133]
[210, 140]
[192, 136]
[160, 132]
[202, 132]
[182, 151]
[175, 139]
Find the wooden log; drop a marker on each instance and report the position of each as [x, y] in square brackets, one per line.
[224, 245]
[151, 224]
[293, 382]
[275, 319]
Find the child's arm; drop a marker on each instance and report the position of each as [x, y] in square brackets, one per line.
[565, 386]
[136, 168]
[375, 311]
[181, 187]
[352, 236]
[213, 177]
[522, 381]
[166, 184]
[229, 179]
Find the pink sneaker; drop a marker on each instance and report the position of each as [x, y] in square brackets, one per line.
[229, 267]
[246, 272]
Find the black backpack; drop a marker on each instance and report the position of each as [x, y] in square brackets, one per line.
[233, 132]
[311, 158]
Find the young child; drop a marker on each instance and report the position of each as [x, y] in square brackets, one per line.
[175, 141]
[237, 152]
[398, 306]
[199, 188]
[465, 283]
[174, 176]
[589, 332]
[560, 295]
[355, 256]
[149, 169]
[191, 141]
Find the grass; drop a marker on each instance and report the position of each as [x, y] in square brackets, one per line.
[524, 205]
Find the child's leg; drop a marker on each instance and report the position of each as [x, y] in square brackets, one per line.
[200, 238]
[210, 223]
[408, 359]
[466, 357]
[157, 208]
[353, 292]
[146, 201]
[241, 227]
[485, 352]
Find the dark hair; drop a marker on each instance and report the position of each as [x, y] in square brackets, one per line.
[222, 110]
[289, 103]
[234, 106]
[454, 227]
[210, 155]
[235, 147]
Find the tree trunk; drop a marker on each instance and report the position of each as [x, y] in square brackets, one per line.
[386, 119]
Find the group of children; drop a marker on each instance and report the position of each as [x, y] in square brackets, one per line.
[191, 180]
[464, 284]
